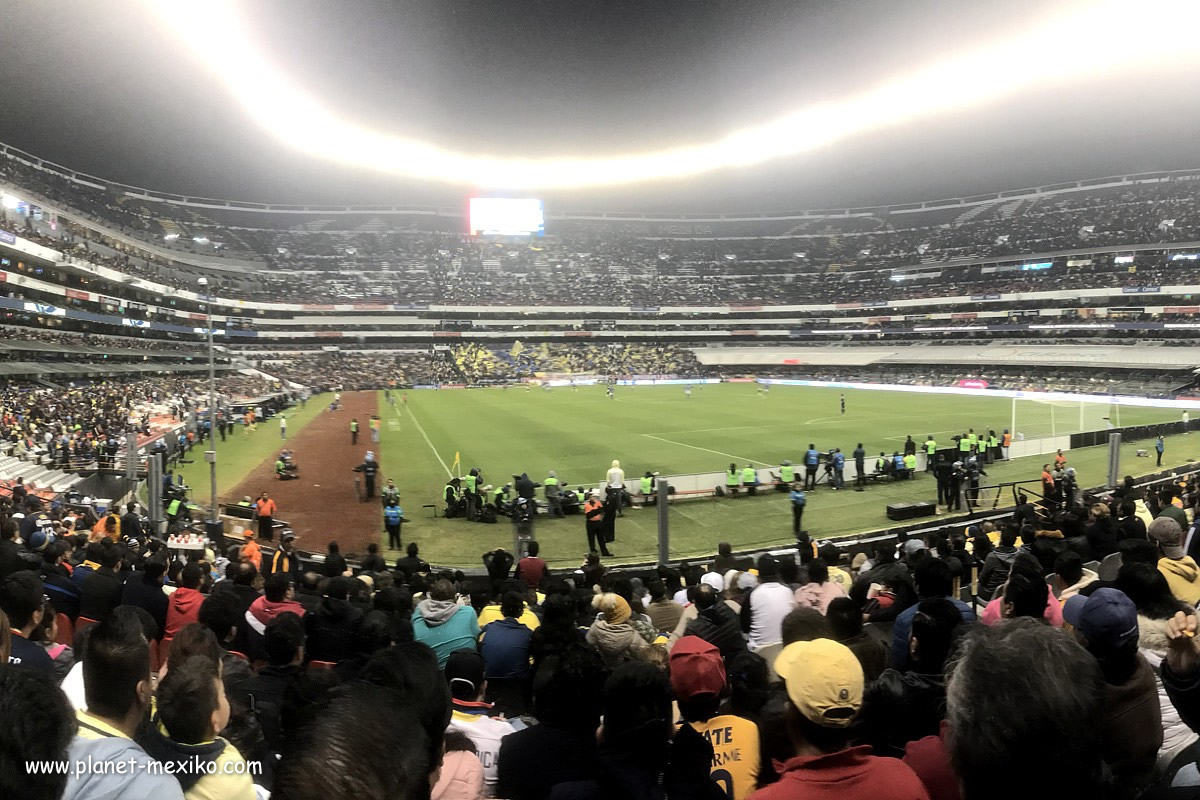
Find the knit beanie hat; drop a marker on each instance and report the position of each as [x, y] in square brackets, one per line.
[613, 607]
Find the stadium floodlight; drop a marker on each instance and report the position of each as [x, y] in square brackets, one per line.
[9, 202]
[216, 33]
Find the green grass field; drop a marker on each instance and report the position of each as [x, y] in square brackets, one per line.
[578, 433]
[239, 454]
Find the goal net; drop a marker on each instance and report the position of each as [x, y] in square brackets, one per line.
[1035, 418]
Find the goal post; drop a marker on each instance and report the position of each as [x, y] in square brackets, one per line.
[1038, 418]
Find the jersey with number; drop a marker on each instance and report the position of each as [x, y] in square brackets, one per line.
[735, 753]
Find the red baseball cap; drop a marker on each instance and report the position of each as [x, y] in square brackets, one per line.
[696, 669]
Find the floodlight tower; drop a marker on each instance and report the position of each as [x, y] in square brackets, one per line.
[210, 455]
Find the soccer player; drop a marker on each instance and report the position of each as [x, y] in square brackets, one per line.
[843, 405]
[687, 391]
[609, 391]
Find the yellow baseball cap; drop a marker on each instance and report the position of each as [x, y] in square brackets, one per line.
[824, 681]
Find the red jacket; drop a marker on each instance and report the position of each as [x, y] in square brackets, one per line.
[183, 608]
[851, 774]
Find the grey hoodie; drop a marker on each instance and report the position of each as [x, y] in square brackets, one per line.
[136, 782]
[437, 612]
[616, 643]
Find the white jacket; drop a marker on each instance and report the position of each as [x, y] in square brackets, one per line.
[1152, 642]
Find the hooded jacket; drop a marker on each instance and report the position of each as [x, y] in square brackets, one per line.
[995, 569]
[445, 626]
[616, 643]
[461, 777]
[217, 782]
[1152, 642]
[721, 627]
[262, 611]
[1089, 577]
[97, 741]
[183, 608]
[1183, 576]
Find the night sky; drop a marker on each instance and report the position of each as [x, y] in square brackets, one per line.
[100, 88]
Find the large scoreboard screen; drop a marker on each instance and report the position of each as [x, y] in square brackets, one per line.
[507, 216]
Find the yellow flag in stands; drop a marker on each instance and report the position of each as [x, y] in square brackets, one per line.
[455, 464]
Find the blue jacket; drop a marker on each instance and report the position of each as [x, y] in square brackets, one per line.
[898, 461]
[1158, 445]
[798, 498]
[392, 514]
[811, 458]
[839, 460]
[445, 627]
[505, 648]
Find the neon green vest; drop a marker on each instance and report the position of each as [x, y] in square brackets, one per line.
[550, 482]
[731, 478]
[930, 447]
[173, 508]
[647, 485]
[748, 475]
[787, 473]
[964, 445]
[910, 461]
[354, 427]
[470, 481]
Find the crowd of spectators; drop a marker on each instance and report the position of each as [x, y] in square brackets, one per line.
[826, 673]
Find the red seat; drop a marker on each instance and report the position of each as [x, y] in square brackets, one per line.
[322, 664]
[242, 656]
[83, 622]
[66, 631]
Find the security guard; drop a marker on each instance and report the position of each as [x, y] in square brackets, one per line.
[787, 473]
[354, 431]
[799, 501]
[973, 439]
[750, 479]
[910, 465]
[553, 494]
[993, 446]
[453, 498]
[839, 468]
[393, 515]
[881, 464]
[390, 492]
[1006, 442]
[369, 468]
[811, 459]
[860, 465]
[593, 513]
[732, 480]
[930, 446]
[647, 488]
[245, 502]
[964, 444]
[471, 484]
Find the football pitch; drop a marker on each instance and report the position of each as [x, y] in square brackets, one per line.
[578, 432]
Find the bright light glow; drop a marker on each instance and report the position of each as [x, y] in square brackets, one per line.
[9, 202]
[506, 216]
[1123, 260]
[215, 32]
[170, 237]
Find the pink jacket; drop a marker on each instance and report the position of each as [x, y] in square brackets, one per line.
[818, 595]
[461, 777]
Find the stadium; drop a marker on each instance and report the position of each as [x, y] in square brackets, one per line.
[608, 389]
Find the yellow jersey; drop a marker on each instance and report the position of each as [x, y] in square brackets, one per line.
[492, 613]
[735, 753]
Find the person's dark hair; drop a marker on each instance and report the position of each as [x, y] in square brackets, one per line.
[844, 618]
[191, 576]
[885, 553]
[1149, 591]
[804, 625]
[368, 727]
[374, 633]
[310, 581]
[338, 588]
[372, 549]
[532, 547]
[1027, 594]
[21, 598]
[54, 551]
[620, 586]
[512, 605]
[117, 660]
[442, 589]
[1068, 565]
[276, 586]
[932, 577]
[637, 713]
[1141, 551]
[153, 569]
[412, 550]
[187, 697]
[749, 683]
[724, 548]
[818, 571]
[768, 568]
[333, 548]
[39, 725]
[789, 570]
[136, 619]
[246, 573]
[8, 529]
[193, 639]
[706, 597]
[936, 627]
[283, 638]
[1046, 745]
[567, 688]
[393, 600]
[657, 590]
[410, 671]
[1008, 537]
[220, 613]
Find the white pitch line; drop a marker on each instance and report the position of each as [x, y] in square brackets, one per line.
[425, 436]
[706, 450]
[901, 439]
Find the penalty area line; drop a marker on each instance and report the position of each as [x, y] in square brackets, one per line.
[707, 450]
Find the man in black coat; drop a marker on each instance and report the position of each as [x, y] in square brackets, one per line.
[239, 581]
[10, 552]
[102, 589]
[144, 590]
[716, 623]
[284, 642]
[56, 581]
[131, 523]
